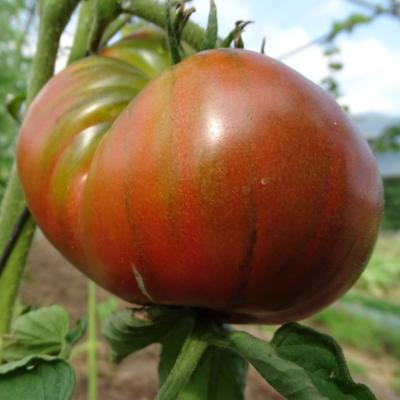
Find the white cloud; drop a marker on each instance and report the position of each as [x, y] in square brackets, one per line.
[309, 62]
[371, 76]
[324, 9]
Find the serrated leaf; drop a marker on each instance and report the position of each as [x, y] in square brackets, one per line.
[301, 364]
[38, 378]
[130, 330]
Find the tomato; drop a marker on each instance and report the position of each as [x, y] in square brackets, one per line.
[146, 48]
[230, 183]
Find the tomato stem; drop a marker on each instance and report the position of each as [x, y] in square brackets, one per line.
[22, 220]
[105, 12]
[189, 357]
[113, 28]
[154, 12]
[81, 38]
[173, 41]
[92, 341]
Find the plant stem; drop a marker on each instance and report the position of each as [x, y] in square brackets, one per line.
[54, 15]
[113, 28]
[154, 12]
[22, 220]
[105, 12]
[192, 350]
[53, 19]
[81, 37]
[92, 341]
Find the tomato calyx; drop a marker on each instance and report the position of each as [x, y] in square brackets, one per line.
[175, 24]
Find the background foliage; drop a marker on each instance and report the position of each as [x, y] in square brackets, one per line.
[17, 21]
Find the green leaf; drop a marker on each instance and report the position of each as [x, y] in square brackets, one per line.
[105, 308]
[288, 378]
[336, 66]
[76, 333]
[322, 358]
[221, 373]
[348, 24]
[387, 141]
[130, 330]
[211, 36]
[331, 50]
[42, 331]
[14, 105]
[38, 378]
[301, 364]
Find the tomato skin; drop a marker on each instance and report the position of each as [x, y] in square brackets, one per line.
[230, 183]
[146, 48]
[62, 130]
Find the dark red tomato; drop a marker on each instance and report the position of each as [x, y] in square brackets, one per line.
[230, 183]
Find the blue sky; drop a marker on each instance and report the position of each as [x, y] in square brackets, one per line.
[370, 79]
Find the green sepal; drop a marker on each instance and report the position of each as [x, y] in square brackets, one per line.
[174, 23]
[130, 330]
[235, 35]
[211, 34]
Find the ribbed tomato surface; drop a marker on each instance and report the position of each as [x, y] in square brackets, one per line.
[231, 183]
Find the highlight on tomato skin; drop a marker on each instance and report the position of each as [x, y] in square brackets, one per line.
[229, 182]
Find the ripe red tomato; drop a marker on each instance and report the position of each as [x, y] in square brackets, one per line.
[230, 183]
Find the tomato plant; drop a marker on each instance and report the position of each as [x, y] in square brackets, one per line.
[226, 188]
